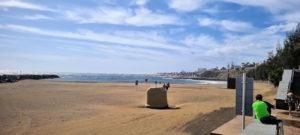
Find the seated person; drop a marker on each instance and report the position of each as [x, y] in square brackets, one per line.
[260, 109]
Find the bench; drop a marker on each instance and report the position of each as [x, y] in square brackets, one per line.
[257, 128]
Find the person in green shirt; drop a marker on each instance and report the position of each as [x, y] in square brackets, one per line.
[260, 109]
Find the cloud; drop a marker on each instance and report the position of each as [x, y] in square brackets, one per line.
[201, 42]
[213, 10]
[280, 28]
[59, 63]
[19, 4]
[70, 46]
[287, 10]
[40, 57]
[122, 16]
[111, 50]
[120, 52]
[289, 17]
[241, 48]
[236, 26]
[106, 57]
[91, 36]
[154, 39]
[144, 17]
[202, 47]
[207, 22]
[149, 35]
[99, 15]
[186, 5]
[139, 2]
[38, 17]
[274, 6]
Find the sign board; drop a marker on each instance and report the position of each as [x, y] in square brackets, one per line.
[248, 96]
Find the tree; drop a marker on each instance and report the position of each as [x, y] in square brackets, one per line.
[286, 57]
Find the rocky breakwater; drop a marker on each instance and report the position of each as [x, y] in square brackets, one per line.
[15, 78]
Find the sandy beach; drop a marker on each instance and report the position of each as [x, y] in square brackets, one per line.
[39, 107]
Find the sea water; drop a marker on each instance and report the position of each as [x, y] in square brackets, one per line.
[95, 77]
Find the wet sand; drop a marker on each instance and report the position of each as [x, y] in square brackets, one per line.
[39, 107]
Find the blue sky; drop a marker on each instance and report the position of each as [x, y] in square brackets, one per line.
[140, 36]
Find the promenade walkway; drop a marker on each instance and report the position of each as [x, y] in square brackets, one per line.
[291, 125]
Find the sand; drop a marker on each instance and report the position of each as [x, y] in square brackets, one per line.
[39, 107]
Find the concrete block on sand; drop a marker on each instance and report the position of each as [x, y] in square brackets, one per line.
[257, 128]
[157, 98]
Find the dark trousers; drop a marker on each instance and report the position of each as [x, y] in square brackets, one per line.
[269, 120]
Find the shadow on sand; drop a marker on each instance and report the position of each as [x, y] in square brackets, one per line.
[293, 123]
[165, 108]
[294, 114]
[203, 124]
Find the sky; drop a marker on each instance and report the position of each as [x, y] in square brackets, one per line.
[140, 36]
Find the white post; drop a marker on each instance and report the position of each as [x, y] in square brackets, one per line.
[243, 101]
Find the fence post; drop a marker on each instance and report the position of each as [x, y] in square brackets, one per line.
[243, 101]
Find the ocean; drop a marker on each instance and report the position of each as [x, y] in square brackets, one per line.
[95, 77]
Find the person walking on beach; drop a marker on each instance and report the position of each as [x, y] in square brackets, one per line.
[165, 86]
[260, 109]
[136, 84]
[290, 99]
[168, 85]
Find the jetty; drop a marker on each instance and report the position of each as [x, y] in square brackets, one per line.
[15, 78]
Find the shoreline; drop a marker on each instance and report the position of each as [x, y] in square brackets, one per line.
[133, 82]
[205, 79]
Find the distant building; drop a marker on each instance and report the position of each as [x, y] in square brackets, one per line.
[236, 67]
[249, 68]
[201, 70]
